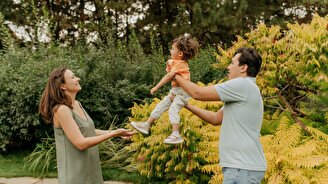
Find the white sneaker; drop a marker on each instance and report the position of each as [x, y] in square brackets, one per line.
[173, 139]
[141, 127]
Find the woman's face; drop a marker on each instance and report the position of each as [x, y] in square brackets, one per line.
[71, 82]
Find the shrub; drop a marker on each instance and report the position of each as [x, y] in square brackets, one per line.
[294, 71]
[23, 76]
[112, 154]
[193, 161]
[202, 67]
[6, 43]
[111, 81]
[113, 76]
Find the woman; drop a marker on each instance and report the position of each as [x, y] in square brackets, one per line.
[75, 135]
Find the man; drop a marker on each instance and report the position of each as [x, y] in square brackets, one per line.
[241, 153]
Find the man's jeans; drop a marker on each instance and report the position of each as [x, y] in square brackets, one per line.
[241, 176]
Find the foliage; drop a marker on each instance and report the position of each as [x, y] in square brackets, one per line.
[5, 38]
[110, 78]
[191, 162]
[113, 153]
[293, 82]
[294, 71]
[43, 158]
[23, 76]
[219, 21]
[293, 156]
[4, 35]
[201, 67]
[211, 21]
[113, 76]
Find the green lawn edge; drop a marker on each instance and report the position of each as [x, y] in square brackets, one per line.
[12, 165]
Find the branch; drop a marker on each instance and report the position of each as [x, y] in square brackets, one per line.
[294, 114]
[304, 88]
[274, 107]
[274, 98]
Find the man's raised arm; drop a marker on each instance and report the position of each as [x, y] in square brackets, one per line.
[207, 93]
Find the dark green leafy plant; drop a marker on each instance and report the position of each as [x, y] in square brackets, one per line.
[43, 158]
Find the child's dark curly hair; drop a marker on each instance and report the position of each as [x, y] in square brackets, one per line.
[187, 45]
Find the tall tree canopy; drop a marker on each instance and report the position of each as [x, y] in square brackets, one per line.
[211, 21]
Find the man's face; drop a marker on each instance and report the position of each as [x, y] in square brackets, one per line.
[234, 69]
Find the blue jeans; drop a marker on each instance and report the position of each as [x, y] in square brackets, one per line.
[241, 176]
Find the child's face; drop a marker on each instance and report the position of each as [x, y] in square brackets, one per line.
[175, 52]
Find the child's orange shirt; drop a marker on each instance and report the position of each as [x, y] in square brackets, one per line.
[181, 67]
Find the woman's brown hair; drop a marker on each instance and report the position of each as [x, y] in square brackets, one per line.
[53, 95]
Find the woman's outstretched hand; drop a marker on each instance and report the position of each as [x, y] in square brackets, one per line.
[124, 133]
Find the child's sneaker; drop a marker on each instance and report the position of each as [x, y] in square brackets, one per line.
[174, 138]
[141, 127]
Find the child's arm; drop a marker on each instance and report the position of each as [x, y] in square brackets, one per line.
[167, 78]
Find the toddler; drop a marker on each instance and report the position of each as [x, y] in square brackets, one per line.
[183, 49]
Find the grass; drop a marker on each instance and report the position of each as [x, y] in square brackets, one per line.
[12, 165]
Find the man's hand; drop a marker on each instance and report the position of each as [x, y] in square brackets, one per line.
[153, 90]
[171, 95]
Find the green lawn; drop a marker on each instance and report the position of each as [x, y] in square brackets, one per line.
[12, 165]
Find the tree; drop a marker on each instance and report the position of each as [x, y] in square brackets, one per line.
[211, 21]
[6, 42]
[294, 73]
[218, 21]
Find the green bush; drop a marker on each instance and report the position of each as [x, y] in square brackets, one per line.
[193, 161]
[113, 77]
[202, 69]
[5, 40]
[23, 77]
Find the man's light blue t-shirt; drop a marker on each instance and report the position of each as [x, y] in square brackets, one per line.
[240, 145]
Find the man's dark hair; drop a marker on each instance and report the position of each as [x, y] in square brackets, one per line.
[251, 58]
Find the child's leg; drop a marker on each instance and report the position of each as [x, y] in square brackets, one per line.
[156, 113]
[161, 107]
[176, 127]
[176, 106]
[174, 110]
[150, 120]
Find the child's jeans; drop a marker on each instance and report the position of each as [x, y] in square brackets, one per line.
[180, 99]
